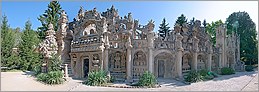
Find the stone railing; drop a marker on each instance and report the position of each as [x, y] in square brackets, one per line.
[92, 40]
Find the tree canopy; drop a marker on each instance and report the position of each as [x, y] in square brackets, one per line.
[51, 15]
[163, 29]
[29, 57]
[181, 20]
[7, 44]
[242, 24]
[211, 30]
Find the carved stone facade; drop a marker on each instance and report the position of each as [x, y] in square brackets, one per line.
[125, 49]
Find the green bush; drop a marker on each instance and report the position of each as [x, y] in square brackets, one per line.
[37, 70]
[53, 77]
[201, 75]
[96, 78]
[42, 77]
[227, 71]
[249, 68]
[147, 79]
[194, 76]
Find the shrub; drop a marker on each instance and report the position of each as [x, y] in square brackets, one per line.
[227, 71]
[42, 77]
[37, 70]
[193, 76]
[53, 77]
[96, 78]
[249, 68]
[147, 79]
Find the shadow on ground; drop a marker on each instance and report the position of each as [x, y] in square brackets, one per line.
[237, 74]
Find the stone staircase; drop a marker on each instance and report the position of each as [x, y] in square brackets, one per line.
[69, 68]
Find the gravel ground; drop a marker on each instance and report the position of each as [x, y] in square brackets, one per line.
[241, 81]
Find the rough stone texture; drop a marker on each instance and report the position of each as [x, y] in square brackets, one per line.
[106, 34]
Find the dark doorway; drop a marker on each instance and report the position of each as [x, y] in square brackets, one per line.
[161, 68]
[86, 67]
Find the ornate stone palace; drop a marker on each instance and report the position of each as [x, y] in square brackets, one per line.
[124, 48]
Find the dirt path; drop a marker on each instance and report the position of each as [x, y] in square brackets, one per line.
[241, 81]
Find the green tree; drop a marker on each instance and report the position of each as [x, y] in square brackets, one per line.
[29, 57]
[181, 20]
[192, 21]
[51, 15]
[211, 30]
[204, 23]
[163, 29]
[54, 63]
[7, 43]
[246, 29]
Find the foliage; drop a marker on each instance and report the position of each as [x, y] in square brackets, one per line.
[211, 30]
[51, 15]
[249, 68]
[227, 71]
[193, 76]
[181, 20]
[52, 77]
[42, 77]
[163, 29]
[246, 28]
[29, 57]
[55, 77]
[37, 70]
[96, 78]
[147, 79]
[7, 44]
[204, 23]
[201, 75]
[54, 63]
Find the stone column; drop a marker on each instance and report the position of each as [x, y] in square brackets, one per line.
[128, 64]
[129, 47]
[150, 60]
[194, 59]
[179, 55]
[106, 51]
[195, 54]
[209, 61]
[66, 71]
[150, 39]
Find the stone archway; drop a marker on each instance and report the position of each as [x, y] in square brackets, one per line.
[139, 64]
[187, 62]
[164, 65]
[117, 65]
[214, 62]
[201, 62]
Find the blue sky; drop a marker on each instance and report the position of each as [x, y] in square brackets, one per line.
[19, 12]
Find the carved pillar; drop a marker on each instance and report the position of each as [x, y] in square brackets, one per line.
[209, 58]
[179, 55]
[128, 62]
[106, 51]
[150, 38]
[66, 71]
[195, 54]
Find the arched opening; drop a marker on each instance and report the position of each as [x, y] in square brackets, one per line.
[139, 64]
[187, 63]
[201, 64]
[92, 31]
[117, 65]
[164, 66]
[214, 63]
